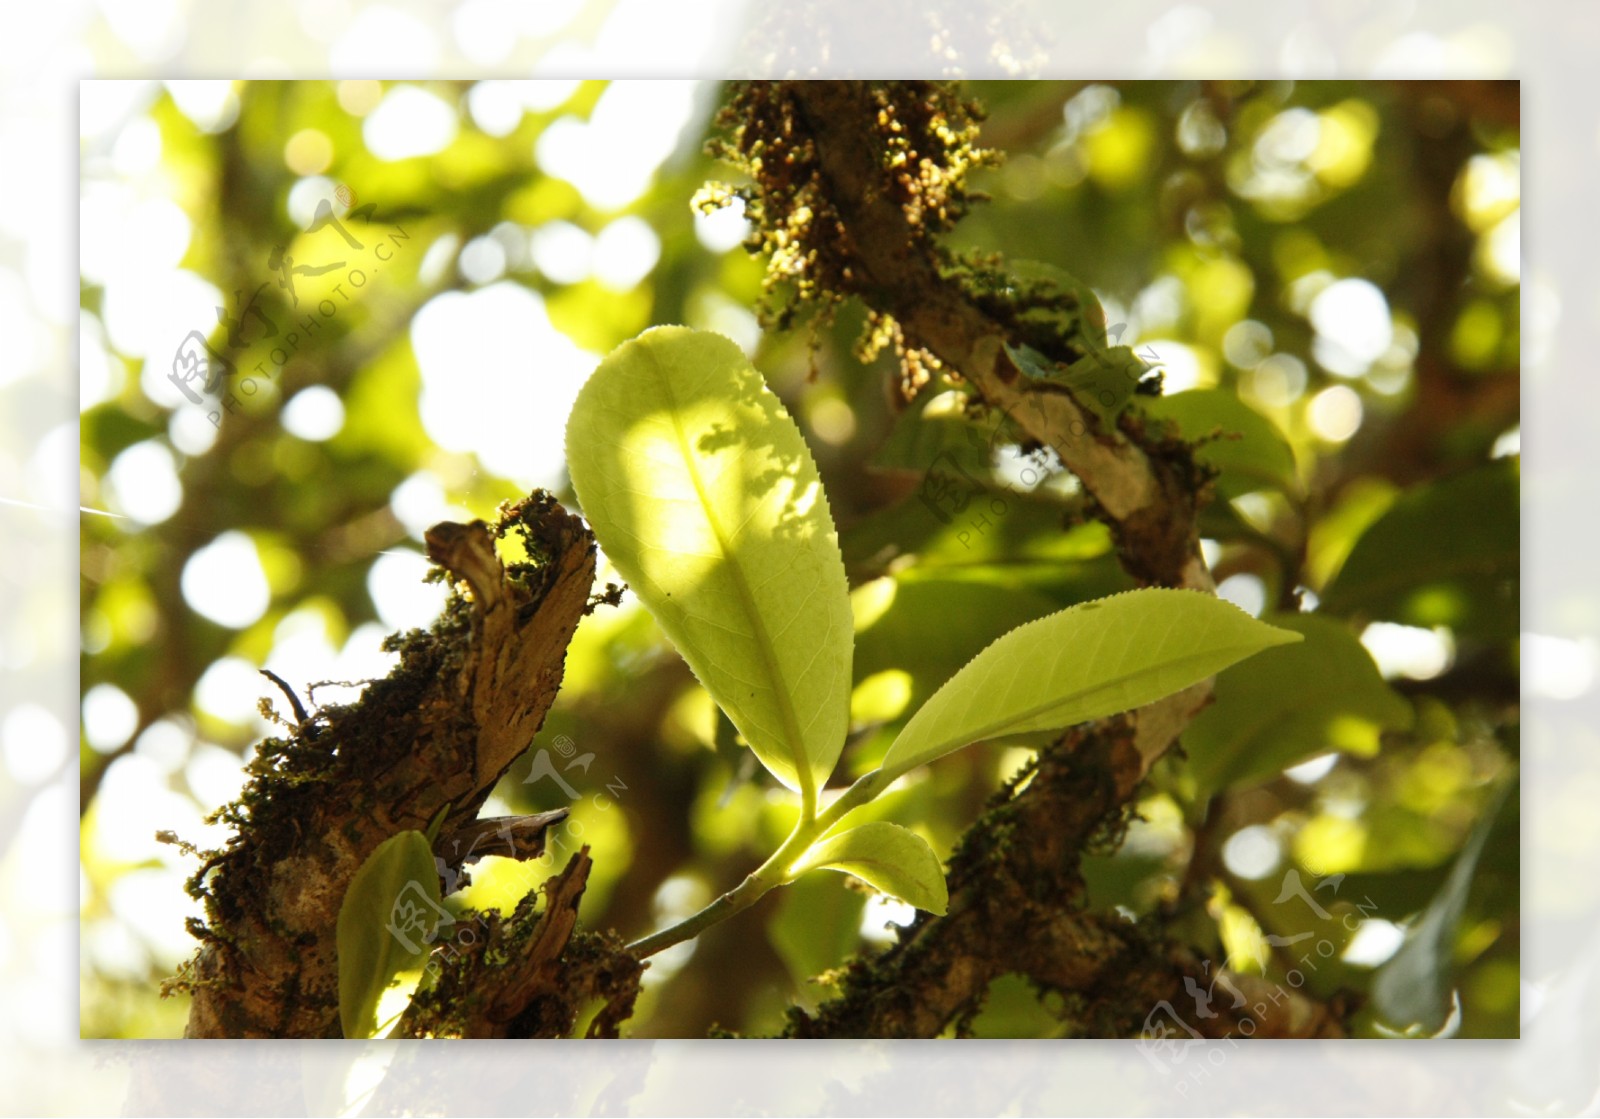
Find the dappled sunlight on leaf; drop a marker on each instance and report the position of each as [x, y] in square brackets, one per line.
[705, 496]
[1323, 275]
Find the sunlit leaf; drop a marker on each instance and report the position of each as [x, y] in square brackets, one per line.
[880, 697]
[1083, 663]
[387, 919]
[1295, 702]
[1102, 381]
[1413, 988]
[1249, 451]
[702, 492]
[886, 856]
[1445, 554]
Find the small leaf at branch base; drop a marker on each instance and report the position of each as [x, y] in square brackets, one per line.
[389, 917]
[1082, 663]
[887, 857]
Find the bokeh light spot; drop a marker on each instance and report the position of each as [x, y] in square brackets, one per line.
[1335, 413]
[308, 152]
[225, 583]
[409, 122]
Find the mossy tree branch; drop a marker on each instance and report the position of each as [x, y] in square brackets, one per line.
[1018, 907]
[531, 974]
[852, 184]
[465, 701]
[859, 178]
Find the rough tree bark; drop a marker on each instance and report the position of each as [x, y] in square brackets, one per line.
[1145, 487]
[852, 183]
[465, 701]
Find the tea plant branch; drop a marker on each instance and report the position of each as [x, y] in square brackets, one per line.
[1086, 662]
[463, 704]
[1017, 906]
[755, 886]
[676, 436]
[884, 252]
[852, 183]
[852, 219]
[776, 871]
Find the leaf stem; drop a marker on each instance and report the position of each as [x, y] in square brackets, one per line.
[770, 874]
[742, 896]
[866, 787]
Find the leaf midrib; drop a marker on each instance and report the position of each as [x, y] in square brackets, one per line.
[791, 724]
[999, 726]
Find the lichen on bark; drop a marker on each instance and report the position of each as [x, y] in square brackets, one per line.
[464, 702]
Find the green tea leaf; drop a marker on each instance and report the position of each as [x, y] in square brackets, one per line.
[1251, 453]
[1445, 554]
[1104, 382]
[1413, 987]
[390, 914]
[1082, 663]
[1295, 702]
[886, 856]
[701, 490]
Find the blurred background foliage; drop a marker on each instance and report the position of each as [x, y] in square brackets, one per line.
[411, 280]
